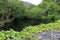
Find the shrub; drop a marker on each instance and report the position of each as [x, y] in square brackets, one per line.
[29, 32]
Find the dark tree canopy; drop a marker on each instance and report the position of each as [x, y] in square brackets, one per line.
[18, 13]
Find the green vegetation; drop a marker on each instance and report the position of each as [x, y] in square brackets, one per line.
[43, 27]
[15, 11]
[45, 11]
[29, 32]
[22, 21]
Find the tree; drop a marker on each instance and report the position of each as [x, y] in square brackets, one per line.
[9, 9]
[47, 10]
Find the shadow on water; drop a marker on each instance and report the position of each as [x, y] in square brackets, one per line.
[19, 24]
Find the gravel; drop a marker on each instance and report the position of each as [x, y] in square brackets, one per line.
[49, 35]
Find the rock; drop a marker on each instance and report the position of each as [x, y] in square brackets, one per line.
[49, 35]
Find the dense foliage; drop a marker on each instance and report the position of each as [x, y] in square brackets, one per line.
[29, 33]
[47, 10]
[15, 11]
[16, 15]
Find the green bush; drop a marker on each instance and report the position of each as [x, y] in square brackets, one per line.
[47, 10]
[13, 35]
[29, 32]
[43, 27]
